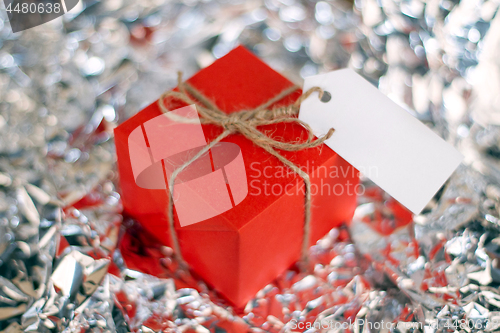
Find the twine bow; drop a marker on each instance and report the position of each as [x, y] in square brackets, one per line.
[246, 122]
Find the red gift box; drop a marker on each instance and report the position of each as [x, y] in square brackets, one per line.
[241, 250]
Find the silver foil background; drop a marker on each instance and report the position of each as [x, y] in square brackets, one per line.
[66, 84]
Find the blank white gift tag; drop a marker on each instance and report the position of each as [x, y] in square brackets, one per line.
[379, 138]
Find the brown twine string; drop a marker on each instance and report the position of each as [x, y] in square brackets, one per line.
[246, 122]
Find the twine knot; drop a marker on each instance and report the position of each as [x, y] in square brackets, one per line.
[232, 121]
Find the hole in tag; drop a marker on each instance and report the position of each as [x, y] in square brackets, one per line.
[326, 97]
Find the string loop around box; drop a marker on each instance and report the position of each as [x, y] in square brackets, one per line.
[245, 122]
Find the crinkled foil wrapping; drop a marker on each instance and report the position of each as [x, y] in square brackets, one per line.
[66, 84]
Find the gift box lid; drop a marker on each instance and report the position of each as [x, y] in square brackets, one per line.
[239, 81]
